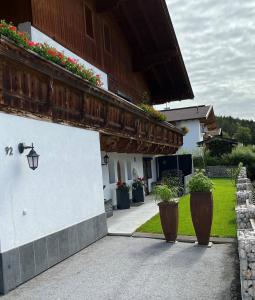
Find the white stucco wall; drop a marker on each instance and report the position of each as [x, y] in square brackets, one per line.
[66, 188]
[136, 163]
[39, 37]
[154, 172]
[192, 137]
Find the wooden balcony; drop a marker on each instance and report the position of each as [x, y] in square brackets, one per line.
[34, 87]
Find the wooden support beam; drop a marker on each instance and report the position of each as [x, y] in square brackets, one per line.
[104, 6]
[149, 61]
[167, 94]
[125, 18]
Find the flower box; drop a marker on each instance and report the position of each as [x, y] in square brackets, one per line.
[122, 192]
[138, 194]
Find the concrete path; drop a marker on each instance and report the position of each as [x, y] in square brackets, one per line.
[123, 268]
[126, 221]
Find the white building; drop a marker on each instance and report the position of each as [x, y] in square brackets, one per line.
[197, 121]
[54, 211]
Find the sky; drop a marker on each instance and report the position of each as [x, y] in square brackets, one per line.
[217, 41]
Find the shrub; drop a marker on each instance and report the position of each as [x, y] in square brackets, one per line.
[234, 172]
[212, 160]
[174, 183]
[200, 183]
[198, 162]
[122, 186]
[244, 155]
[241, 154]
[138, 183]
[165, 193]
[157, 115]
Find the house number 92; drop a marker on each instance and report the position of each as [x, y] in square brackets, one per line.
[9, 151]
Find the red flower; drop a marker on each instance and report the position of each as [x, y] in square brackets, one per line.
[13, 28]
[61, 55]
[32, 44]
[52, 52]
[72, 60]
[21, 34]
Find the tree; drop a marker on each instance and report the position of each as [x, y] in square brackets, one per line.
[243, 135]
[230, 125]
[226, 135]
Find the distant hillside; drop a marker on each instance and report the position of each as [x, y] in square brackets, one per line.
[230, 126]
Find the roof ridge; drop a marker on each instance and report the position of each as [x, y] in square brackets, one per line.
[186, 107]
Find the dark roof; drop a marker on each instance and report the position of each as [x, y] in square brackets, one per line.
[188, 113]
[149, 30]
[219, 138]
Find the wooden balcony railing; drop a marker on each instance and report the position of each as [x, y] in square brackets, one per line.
[35, 87]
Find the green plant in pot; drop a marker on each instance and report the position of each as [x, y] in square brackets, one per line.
[122, 192]
[168, 210]
[201, 206]
[137, 190]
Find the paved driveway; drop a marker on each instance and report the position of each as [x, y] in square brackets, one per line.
[126, 221]
[134, 268]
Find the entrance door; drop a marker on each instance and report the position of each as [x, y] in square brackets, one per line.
[147, 173]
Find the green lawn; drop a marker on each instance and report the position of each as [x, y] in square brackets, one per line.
[224, 221]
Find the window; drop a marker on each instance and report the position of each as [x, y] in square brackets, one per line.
[147, 168]
[202, 128]
[111, 171]
[129, 171]
[107, 39]
[89, 22]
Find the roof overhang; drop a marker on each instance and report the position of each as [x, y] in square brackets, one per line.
[210, 120]
[156, 53]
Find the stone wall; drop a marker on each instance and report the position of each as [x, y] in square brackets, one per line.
[108, 208]
[218, 171]
[245, 213]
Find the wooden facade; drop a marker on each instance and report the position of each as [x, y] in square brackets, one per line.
[132, 41]
[31, 86]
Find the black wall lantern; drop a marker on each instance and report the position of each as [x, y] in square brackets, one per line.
[32, 156]
[106, 160]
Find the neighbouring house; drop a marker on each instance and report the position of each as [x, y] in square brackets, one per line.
[198, 122]
[213, 133]
[48, 214]
[218, 145]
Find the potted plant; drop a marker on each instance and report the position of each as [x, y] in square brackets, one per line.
[168, 210]
[201, 206]
[122, 191]
[137, 190]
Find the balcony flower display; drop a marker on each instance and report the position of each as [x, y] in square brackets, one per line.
[49, 53]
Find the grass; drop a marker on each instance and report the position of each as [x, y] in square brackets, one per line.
[224, 220]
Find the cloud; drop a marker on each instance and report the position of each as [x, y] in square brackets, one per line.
[217, 40]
